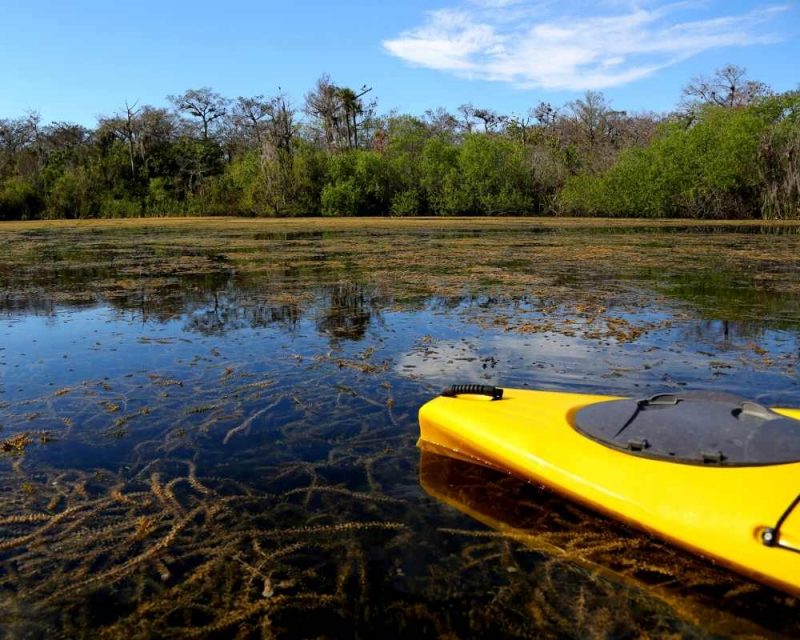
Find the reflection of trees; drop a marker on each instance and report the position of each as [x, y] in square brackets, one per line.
[734, 304]
[726, 331]
[348, 311]
[343, 311]
[229, 311]
[13, 304]
[208, 293]
[148, 283]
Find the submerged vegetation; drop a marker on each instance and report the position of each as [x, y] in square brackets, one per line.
[208, 427]
[729, 151]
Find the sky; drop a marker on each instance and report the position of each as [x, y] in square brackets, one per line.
[72, 60]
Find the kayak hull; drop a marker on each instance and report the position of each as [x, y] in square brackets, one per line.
[719, 512]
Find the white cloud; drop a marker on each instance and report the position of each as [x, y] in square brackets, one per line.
[533, 45]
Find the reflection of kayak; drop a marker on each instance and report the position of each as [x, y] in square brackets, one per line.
[709, 472]
[718, 601]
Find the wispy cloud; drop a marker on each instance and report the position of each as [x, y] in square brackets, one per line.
[536, 44]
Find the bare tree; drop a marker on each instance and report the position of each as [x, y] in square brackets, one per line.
[590, 113]
[548, 119]
[251, 117]
[16, 135]
[203, 104]
[338, 113]
[597, 130]
[519, 127]
[282, 126]
[124, 126]
[545, 114]
[264, 122]
[322, 107]
[65, 135]
[467, 112]
[441, 121]
[156, 129]
[728, 87]
[489, 118]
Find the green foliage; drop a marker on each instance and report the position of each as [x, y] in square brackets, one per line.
[19, 200]
[586, 159]
[341, 198]
[495, 177]
[357, 184]
[440, 178]
[779, 163]
[160, 199]
[74, 194]
[241, 184]
[711, 168]
[120, 208]
[406, 203]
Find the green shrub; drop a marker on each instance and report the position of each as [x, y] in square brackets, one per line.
[120, 208]
[703, 169]
[341, 198]
[406, 203]
[19, 200]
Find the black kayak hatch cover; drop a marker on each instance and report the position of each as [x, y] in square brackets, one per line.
[694, 428]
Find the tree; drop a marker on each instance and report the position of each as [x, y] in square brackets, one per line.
[467, 112]
[203, 104]
[338, 113]
[321, 106]
[145, 131]
[489, 118]
[727, 87]
[736, 154]
[250, 118]
[125, 126]
[282, 126]
[442, 121]
[590, 114]
[157, 132]
[496, 179]
[779, 161]
[713, 169]
[16, 136]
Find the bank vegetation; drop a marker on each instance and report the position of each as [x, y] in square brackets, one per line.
[730, 149]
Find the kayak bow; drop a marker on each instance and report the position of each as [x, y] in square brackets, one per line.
[715, 474]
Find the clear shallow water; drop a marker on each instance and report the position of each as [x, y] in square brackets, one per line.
[212, 432]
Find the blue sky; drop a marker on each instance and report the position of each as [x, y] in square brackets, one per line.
[73, 60]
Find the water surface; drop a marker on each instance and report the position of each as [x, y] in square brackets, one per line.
[209, 427]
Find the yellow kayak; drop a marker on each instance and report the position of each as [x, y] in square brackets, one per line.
[715, 474]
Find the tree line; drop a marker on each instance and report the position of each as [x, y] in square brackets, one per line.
[731, 149]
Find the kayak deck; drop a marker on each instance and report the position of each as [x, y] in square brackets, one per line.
[720, 512]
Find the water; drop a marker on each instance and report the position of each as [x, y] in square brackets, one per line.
[209, 428]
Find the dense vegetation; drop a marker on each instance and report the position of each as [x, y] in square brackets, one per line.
[732, 149]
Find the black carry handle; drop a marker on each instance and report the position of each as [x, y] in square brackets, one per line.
[771, 536]
[495, 393]
[658, 400]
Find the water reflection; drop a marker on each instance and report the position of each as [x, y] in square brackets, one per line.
[348, 311]
[232, 310]
[719, 601]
